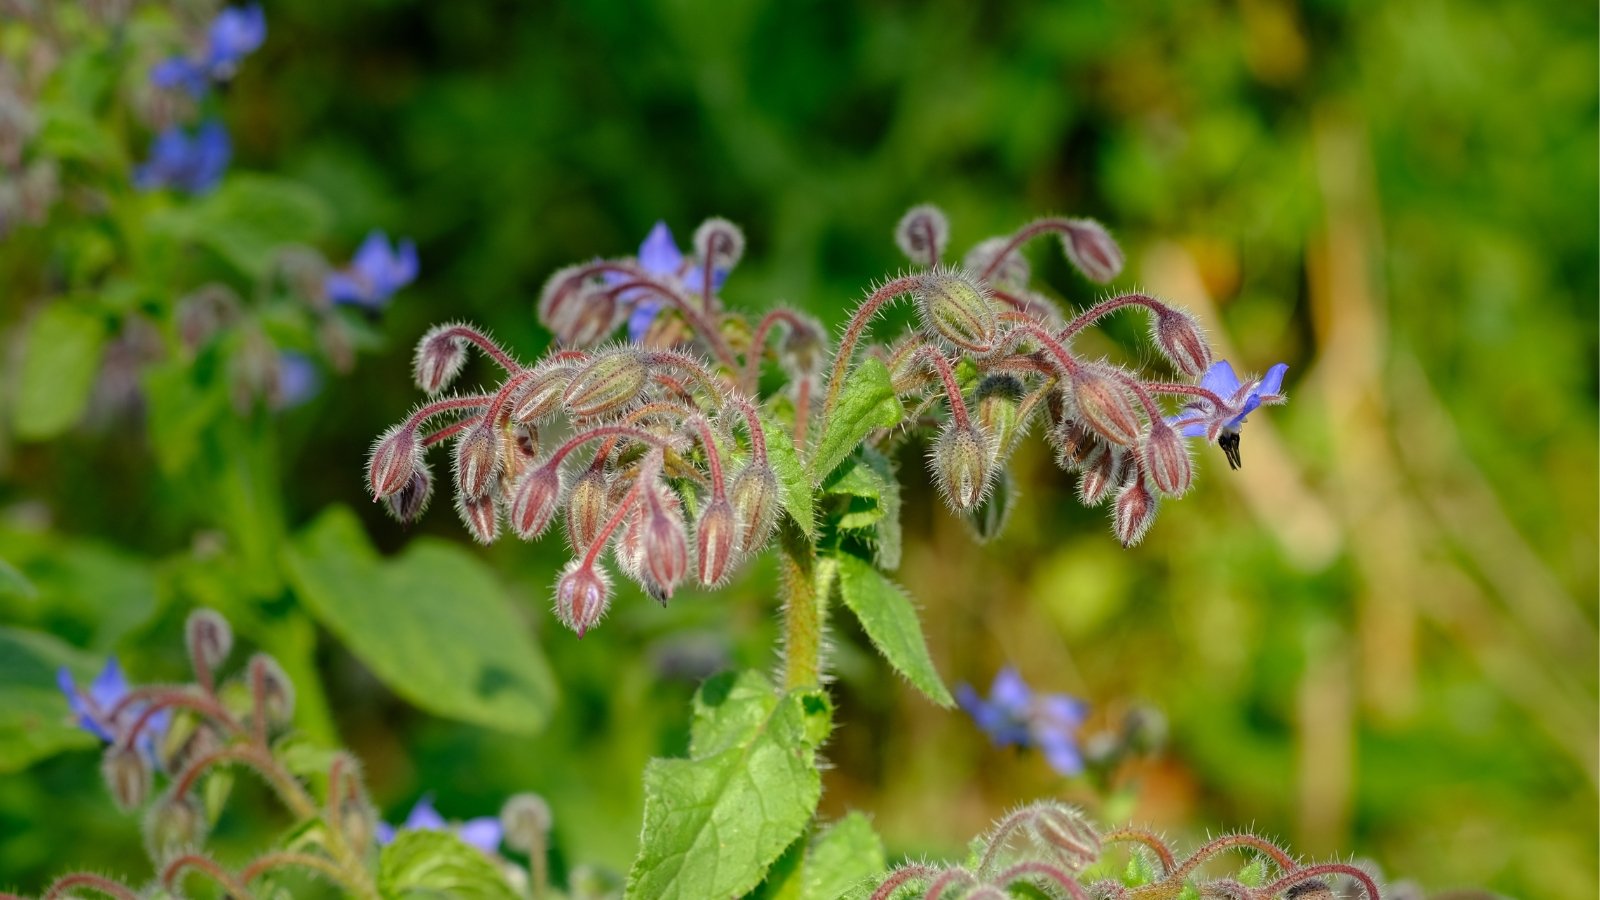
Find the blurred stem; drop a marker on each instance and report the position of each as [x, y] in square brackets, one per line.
[803, 609]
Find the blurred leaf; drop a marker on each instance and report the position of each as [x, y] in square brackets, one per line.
[180, 411]
[433, 624]
[69, 133]
[866, 403]
[713, 823]
[793, 483]
[35, 721]
[847, 854]
[14, 585]
[886, 614]
[875, 505]
[59, 363]
[250, 217]
[437, 864]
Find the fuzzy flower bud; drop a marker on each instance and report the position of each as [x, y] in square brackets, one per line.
[1072, 443]
[540, 396]
[585, 319]
[1134, 510]
[922, 234]
[1178, 337]
[357, 820]
[716, 542]
[175, 825]
[804, 350]
[394, 458]
[534, 504]
[1090, 247]
[1066, 834]
[271, 690]
[664, 540]
[719, 241]
[481, 515]
[582, 595]
[1102, 470]
[209, 638]
[477, 460]
[989, 517]
[955, 307]
[609, 384]
[440, 356]
[998, 404]
[1010, 274]
[525, 821]
[588, 507]
[754, 497]
[1103, 404]
[408, 503]
[962, 461]
[126, 775]
[1165, 456]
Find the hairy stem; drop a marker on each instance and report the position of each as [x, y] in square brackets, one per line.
[804, 610]
[93, 882]
[858, 325]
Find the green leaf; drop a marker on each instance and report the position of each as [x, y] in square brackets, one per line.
[1254, 874]
[793, 483]
[180, 413]
[59, 363]
[437, 864]
[845, 855]
[35, 721]
[874, 507]
[886, 614]
[713, 823]
[15, 585]
[866, 403]
[433, 624]
[249, 217]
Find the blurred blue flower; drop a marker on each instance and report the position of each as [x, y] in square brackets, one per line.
[180, 72]
[376, 272]
[298, 380]
[234, 34]
[92, 707]
[183, 162]
[1014, 715]
[483, 832]
[660, 258]
[1221, 424]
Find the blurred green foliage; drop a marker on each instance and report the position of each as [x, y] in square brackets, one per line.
[1378, 638]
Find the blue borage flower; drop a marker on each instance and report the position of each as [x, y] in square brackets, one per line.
[92, 707]
[1221, 423]
[298, 379]
[376, 272]
[1014, 716]
[660, 257]
[484, 832]
[184, 162]
[234, 34]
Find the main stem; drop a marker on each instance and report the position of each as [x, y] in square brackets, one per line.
[803, 611]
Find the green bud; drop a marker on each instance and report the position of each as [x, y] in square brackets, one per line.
[989, 517]
[962, 462]
[956, 308]
[998, 411]
[609, 384]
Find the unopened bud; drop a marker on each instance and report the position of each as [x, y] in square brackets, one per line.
[587, 318]
[540, 396]
[1010, 274]
[1067, 835]
[1090, 247]
[394, 458]
[608, 385]
[998, 404]
[754, 497]
[1313, 889]
[962, 461]
[664, 540]
[481, 515]
[588, 508]
[989, 517]
[922, 234]
[477, 460]
[582, 595]
[408, 503]
[1166, 457]
[716, 542]
[271, 690]
[175, 825]
[1177, 335]
[187, 739]
[205, 312]
[209, 638]
[358, 821]
[1102, 470]
[955, 307]
[1072, 443]
[719, 241]
[1134, 510]
[525, 821]
[127, 775]
[1103, 404]
[537, 497]
[804, 349]
[440, 356]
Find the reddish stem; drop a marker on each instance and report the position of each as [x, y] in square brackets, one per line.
[713, 458]
[623, 508]
[1036, 868]
[172, 873]
[802, 410]
[752, 424]
[449, 431]
[900, 878]
[952, 390]
[438, 407]
[279, 860]
[758, 342]
[698, 320]
[858, 324]
[1299, 875]
[1149, 840]
[1025, 234]
[1084, 319]
[1230, 842]
[484, 343]
[600, 431]
[87, 880]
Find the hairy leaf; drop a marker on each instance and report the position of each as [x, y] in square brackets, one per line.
[866, 403]
[793, 483]
[438, 864]
[887, 616]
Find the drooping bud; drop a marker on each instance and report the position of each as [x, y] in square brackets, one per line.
[205, 312]
[538, 495]
[753, 494]
[1134, 510]
[188, 738]
[1103, 404]
[271, 690]
[209, 638]
[607, 385]
[1072, 443]
[127, 775]
[1011, 274]
[664, 540]
[175, 825]
[477, 460]
[955, 307]
[998, 404]
[628, 550]
[525, 821]
[1090, 247]
[922, 234]
[716, 542]
[347, 798]
[481, 515]
[1311, 889]
[540, 396]
[586, 318]
[804, 348]
[1102, 470]
[719, 241]
[962, 461]
[1166, 457]
[582, 595]
[1179, 339]
[989, 517]
[408, 503]
[395, 456]
[1066, 834]
[440, 356]
[588, 508]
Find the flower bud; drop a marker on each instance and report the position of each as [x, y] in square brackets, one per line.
[408, 503]
[716, 537]
[1012, 274]
[1090, 247]
[664, 540]
[188, 738]
[540, 396]
[1311, 889]
[628, 550]
[477, 460]
[997, 410]
[440, 356]
[1102, 470]
[962, 461]
[175, 825]
[922, 234]
[989, 517]
[1166, 457]
[1103, 404]
[588, 508]
[586, 318]
[754, 497]
[209, 638]
[537, 496]
[582, 595]
[481, 515]
[394, 458]
[127, 775]
[1178, 337]
[1072, 443]
[525, 821]
[1134, 510]
[357, 820]
[955, 307]
[1067, 835]
[608, 385]
[804, 349]
[719, 241]
[272, 691]
[205, 312]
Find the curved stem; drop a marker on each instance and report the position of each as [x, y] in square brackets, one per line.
[1028, 328]
[713, 457]
[264, 864]
[600, 431]
[698, 320]
[758, 342]
[100, 883]
[1189, 390]
[438, 407]
[752, 425]
[172, 874]
[1036, 868]
[899, 879]
[950, 878]
[623, 508]
[484, 343]
[165, 699]
[449, 431]
[952, 390]
[1149, 840]
[1299, 875]
[1025, 234]
[693, 368]
[1230, 842]
[1084, 319]
[895, 287]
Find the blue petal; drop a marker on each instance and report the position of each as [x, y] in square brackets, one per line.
[1063, 710]
[483, 833]
[234, 34]
[1220, 379]
[423, 816]
[341, 288]
[110, 686]
[373, 256]
[405, 264]
[1010, 692]
[298, 379]
[179, 72]
[385, 833]
[659, 254]
[1061, 751]
[1250, 404]
[1272, 382]
[1196, 426]
[640, 320]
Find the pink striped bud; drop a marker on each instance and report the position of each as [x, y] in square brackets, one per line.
[1134, 510]
[534, 504]
[1166, 457]
[607, 385]
[1067, 834]
[962, 461]
[440, 356]
[716, 542]
[1090, 247]
[664, 540]
[588, 508]
[1103, 468]
[955, 307]
[175, 825]
[481, 515]
[628, 550]
[1103, 404]
[478, 460]
[1178, 336]
[540, 396]
[127, 775]
[582, 595]
[395, 456]
[408, 503]
[754, 496]
[922, 234]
